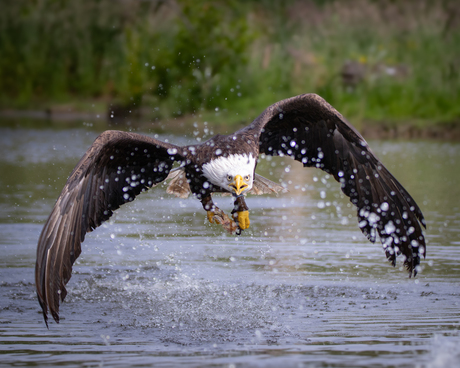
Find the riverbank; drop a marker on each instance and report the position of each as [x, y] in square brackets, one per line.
[372, 60]
[208, 123]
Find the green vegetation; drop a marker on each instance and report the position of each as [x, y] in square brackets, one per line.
[375, 61]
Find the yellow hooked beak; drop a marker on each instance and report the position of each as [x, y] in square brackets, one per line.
[238, 184]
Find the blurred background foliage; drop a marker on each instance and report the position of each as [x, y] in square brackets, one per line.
[375, 61]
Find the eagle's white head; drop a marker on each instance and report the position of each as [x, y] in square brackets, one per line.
[234, 173]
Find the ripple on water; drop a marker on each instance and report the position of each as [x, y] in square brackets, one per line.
[301, 287]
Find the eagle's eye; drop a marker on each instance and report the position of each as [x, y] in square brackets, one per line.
[229, 178]
[246, 178]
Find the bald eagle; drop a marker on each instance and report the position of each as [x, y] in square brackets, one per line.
[120, 165]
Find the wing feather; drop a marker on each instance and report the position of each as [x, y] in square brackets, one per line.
[263, 185]
[115, 169]
[311, 131]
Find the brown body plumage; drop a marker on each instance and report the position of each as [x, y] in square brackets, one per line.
[119, 166]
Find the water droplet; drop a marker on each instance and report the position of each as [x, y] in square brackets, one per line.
[172, 151]
[390, 228]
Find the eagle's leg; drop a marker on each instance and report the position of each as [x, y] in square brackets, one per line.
[240, 213]
[217, 216]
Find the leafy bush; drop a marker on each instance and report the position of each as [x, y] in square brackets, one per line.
[182, 56]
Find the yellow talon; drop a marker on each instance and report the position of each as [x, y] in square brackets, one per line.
[211, 217]
[219, 217]
[243, 219]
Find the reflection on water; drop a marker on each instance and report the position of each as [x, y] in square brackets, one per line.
[159, 285]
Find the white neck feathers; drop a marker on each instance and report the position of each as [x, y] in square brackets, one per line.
[217, 170]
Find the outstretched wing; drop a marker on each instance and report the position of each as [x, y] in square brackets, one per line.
[115, 169]
[311, 131]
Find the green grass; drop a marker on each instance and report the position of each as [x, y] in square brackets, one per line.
[234, 56]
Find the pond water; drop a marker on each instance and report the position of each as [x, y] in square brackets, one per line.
[158, 285]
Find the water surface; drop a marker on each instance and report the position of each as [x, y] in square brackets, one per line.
[159, 285]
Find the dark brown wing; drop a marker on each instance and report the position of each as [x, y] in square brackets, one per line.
[311, 131]
[115, 169]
